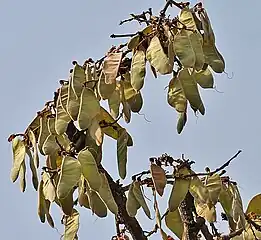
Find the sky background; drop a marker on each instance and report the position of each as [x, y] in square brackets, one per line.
[39, 40]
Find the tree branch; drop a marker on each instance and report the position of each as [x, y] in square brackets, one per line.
[131, 223]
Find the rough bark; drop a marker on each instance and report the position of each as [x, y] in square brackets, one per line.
[190, 225]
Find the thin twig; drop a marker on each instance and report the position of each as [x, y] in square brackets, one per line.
[226, 164]
[122, 35]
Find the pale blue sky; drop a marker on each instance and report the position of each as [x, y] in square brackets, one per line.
[39, 39]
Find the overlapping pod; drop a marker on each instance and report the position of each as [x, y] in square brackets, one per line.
[254, 205]
[110, 128]
[89, 169]
[132, 204]
[96, 132]
[190, 89]
[133, 98]
[44, 133]
[159, 178]
[22, 176]
[111, 66]
[183, 49]
[157, 57]
[204, 78]
[61, 118]
[32, 139]
[125, 105]
[97, 205]
[176, 97]
[73, 101]
[114, 102]
[69, 176]
[78, 79]
[122, 152]
[105, 90]
[19, 150]
[71, 226]
[179, 189]
[49, 190]
[140, 198]
[33, 169]
[174, 223]
[89, 108]
[138, 69]
[106, 194]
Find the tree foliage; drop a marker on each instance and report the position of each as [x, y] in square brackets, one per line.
[69, 132]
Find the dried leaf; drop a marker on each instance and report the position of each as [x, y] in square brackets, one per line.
[69, 176]
[111, 66]
[158, 177]
[19, 150]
